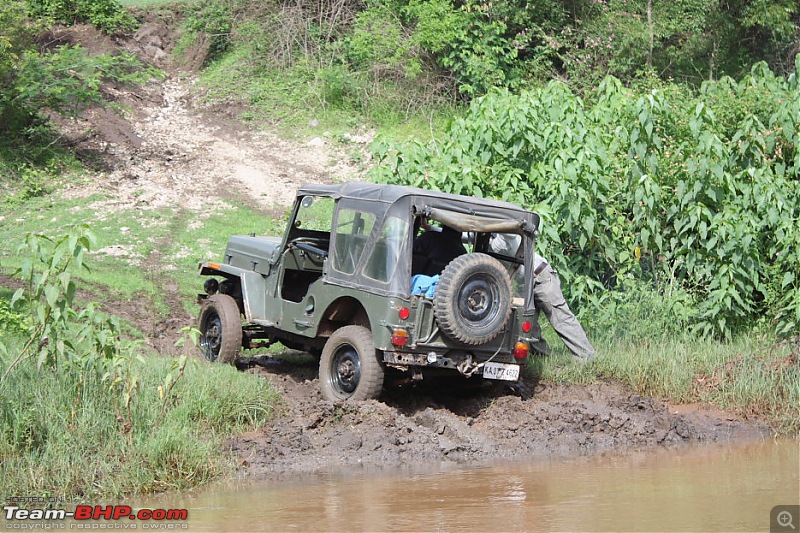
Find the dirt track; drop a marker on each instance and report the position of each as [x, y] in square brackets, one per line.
[173, 152]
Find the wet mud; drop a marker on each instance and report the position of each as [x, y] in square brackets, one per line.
[461, 421]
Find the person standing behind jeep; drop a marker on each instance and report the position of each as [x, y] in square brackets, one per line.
[547, 297]
[439, 248]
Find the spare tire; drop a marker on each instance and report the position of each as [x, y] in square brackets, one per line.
[473, 299]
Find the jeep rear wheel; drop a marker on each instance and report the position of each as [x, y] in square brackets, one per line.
[220, 326]
[473, 299]
[349, 368]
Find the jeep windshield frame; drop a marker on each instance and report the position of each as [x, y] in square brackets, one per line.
[379, 260]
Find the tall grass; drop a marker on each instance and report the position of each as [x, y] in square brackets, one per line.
[61, 436]
[643, 343]
[82, 412]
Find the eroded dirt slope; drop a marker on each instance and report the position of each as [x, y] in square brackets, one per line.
[162, 148]
[165, 149]
[169, 151]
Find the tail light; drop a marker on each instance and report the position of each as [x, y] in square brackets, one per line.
[526, 326]
[521, 350]
[400, 337]
[404, 313]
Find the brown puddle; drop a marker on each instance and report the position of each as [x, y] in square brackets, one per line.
[705, 488]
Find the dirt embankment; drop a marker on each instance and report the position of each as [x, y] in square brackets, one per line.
[168, 150]
[436, 423]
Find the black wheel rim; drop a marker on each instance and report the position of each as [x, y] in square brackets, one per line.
[476, 301]
[211, 337]
[345, 370]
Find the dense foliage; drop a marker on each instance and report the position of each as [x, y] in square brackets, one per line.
[695, 192]
[352, 52]
[668, 174]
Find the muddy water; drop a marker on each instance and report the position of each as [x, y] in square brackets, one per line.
[700, 489]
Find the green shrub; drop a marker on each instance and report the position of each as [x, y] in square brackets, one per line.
[390, 57]
[338, 87]
[12, 322]
[63, 80]
[68, 79]
[699, 191]
[471, 41]
[107, 15]
[213, 20]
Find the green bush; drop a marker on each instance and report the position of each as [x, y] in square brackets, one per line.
[32, 84]
[698, 190]
[107, 15]
[68, 79]
[213, 19]
[472, 41]
[12, 322]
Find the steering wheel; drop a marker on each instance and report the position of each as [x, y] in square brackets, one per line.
[309, 245]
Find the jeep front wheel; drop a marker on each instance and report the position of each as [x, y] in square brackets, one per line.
[349, 368]
[220, 326]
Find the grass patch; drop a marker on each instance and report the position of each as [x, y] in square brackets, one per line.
[749, 375]
[300, 102]
[61, 439]
[138, 252]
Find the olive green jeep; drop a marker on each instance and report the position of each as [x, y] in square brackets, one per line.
[342, 283]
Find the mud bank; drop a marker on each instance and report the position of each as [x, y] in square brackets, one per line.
[439, 423]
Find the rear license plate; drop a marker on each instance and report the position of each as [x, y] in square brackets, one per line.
[501, 371]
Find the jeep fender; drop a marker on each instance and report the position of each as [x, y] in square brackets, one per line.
[253, 289]
[342, 312]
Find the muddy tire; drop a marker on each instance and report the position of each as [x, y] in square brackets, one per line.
[473, 299]
[220, 326]
[349, 368]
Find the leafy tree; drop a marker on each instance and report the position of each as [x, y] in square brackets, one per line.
[690, 40]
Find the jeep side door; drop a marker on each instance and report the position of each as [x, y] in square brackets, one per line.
[303, 261]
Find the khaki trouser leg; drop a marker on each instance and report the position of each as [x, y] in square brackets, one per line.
[549, 298]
